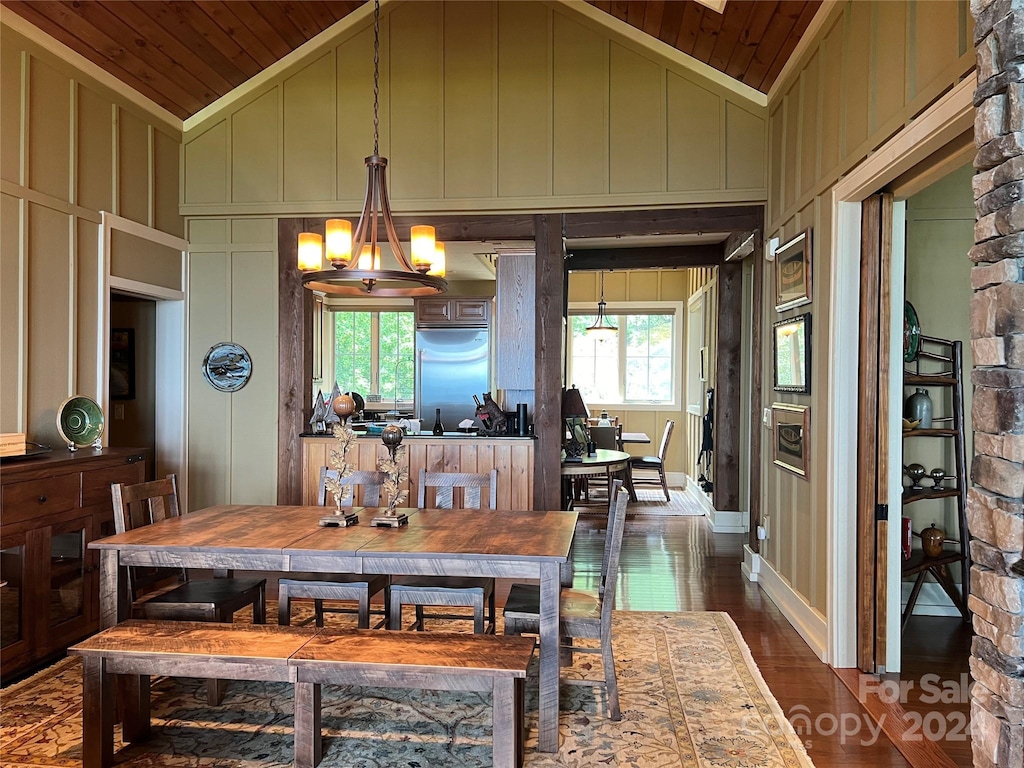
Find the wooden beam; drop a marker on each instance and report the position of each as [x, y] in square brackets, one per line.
[547, 407]
[295, 361]
[727, 388]
[680, 221]
[739, 245]
[656, 257]
[756, 404]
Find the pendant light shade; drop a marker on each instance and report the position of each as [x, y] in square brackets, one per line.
[602, 329]
[352, 272]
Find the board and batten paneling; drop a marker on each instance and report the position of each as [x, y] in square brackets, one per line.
[233, 436]
[70, 147]
[513, 458]
[483, 104]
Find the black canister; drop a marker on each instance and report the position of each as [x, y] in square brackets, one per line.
[521, 419]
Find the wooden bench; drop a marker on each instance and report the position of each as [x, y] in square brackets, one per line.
[305, 656]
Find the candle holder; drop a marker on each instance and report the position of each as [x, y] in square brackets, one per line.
[343, 406]
[393, 466]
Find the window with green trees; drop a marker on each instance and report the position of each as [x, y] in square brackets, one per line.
[374, 353]
[636, 365]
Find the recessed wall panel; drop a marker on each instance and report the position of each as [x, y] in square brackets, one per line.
[254, 136]
[355, 115]
[136, 258]
[133, 172]
[414, 80]
[791, 179]
[809, 117]
[637, 122]
[10, 109]
[831, 101]
[11, 317]
[857, 75]
[744, 148]
[89, 276]
[166, 163]
[936, 31]
[776, 124]
[524, 100]
[580, 129]
[310, 132]
[95, 154]
[49, 132]
[694, 136]
[470, 154]
[890, 66]
[206, 157]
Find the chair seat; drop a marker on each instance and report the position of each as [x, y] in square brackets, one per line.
[412, 584]
[203, 597]
[373, 582]
[645, 461]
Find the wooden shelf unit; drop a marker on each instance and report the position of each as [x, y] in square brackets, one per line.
[948, 356]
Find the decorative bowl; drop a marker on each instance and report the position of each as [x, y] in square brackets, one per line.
[80, 421]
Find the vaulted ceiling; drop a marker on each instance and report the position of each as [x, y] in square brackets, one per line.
[185, 54]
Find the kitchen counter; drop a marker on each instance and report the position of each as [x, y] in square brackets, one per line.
[451, 452]
[427, 434]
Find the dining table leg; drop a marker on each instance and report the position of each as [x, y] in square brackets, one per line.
[115, 606]
[547, 718]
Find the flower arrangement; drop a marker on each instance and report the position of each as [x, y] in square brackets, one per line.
[393, 465]
[343, 405]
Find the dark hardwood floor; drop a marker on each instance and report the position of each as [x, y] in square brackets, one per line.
[677, 564]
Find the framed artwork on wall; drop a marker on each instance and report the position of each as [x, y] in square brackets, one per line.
[791, 448]
[122, 363]
[793, 272]
[792, 358]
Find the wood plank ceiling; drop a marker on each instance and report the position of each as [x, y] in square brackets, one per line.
[185, 54]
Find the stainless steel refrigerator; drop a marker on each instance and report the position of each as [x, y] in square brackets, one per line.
[452, 365]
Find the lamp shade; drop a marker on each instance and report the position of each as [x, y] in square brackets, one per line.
[311, 251]
[422, 237]
[338, 241]
[573, 405]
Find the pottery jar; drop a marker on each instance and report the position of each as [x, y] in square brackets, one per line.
[919, 408]
[932, 539]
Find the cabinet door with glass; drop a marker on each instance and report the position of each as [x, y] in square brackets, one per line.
[71, 581]
[16, 631]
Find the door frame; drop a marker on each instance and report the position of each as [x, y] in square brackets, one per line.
[946, 119]
[171, 424]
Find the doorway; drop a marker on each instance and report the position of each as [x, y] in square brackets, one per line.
[132, 412]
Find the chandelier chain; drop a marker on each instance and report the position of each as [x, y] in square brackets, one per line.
[376, 77]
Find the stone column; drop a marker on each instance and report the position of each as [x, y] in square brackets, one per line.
[995, 505]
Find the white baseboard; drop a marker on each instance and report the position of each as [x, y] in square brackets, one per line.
[678, 480]
[807, 621]
[932, 600]
[720, 521]
[751, 563]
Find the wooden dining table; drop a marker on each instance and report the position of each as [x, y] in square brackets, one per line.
[499, 544]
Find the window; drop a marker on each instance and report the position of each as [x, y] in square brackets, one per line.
[374, 353]
[639, 365]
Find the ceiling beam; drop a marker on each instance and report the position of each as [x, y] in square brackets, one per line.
[739, 245]
[680, 221]
[657, 257]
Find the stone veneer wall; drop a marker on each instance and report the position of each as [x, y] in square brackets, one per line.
[995, 505]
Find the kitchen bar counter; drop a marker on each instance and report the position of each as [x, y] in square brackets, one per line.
[427, 434]
[512, 456]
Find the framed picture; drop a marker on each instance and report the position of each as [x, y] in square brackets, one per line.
[792, 359]
[793, 272]
[122, 363]
[791, 450]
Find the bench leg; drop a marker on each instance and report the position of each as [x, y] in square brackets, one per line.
[97, 713]
[507, 722]
[308, 737]
[134, 692]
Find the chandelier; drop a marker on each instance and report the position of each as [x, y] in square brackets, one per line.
[602, 328]
[355, 256]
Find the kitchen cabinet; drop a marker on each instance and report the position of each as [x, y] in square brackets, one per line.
[51, 508]
[461, 312]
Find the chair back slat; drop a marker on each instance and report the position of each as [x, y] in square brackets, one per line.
[369, 481]
[445, 483]
[613, 551]
[665, 437]
[613, 496]
[143, 504]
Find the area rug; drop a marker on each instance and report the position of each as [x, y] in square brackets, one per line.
[650, 501]
[689, 691]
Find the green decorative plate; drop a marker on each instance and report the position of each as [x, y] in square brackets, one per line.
[911, 333]
[80, 421]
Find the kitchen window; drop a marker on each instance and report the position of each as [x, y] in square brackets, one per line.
[374, 353]
[640, 365]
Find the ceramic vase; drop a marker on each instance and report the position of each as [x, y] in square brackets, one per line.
[932, 539]
[919, 408]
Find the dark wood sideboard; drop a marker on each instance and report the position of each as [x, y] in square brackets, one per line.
[51, 507]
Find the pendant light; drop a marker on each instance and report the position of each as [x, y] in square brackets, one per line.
[355, 256]
[602, 329]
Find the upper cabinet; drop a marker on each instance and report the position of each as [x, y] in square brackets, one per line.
[460, 312]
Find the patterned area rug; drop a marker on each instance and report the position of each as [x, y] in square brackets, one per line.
[650, 501]
[689, 690]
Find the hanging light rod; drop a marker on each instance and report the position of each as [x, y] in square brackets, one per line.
[355, 256]
[602, 328]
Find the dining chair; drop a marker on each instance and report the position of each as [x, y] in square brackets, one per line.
[169, 593]
[607, 438]
[448, 591]
[336, 587]
[656, 464]
[585, 614]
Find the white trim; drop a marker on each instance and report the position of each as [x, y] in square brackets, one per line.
[101, 76]
[751, 566]
[652, 43]
[678, 480]
[698, 496]
[725, 521]
[809, 37]
[138, 288]
[950, 116]
[807, 621]
[141, 230]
